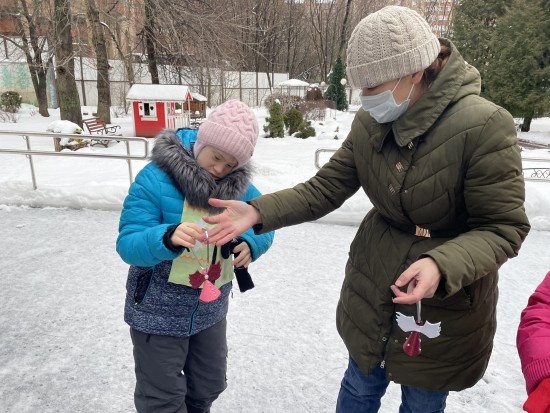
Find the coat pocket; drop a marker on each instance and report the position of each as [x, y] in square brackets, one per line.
[462, 300]
[142, 285]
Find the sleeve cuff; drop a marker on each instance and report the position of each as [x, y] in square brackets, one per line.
[167, 241]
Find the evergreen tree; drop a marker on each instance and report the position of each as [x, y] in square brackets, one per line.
[275, 126]
[336, 91]
[305, 130]
[518, 77]
[473, 30]
[293, 119]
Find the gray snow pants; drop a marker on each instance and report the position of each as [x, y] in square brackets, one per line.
[180, 374]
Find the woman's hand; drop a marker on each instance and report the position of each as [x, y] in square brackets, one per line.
[422, 277]
[245, 256]
[237, 218]
[185, 235]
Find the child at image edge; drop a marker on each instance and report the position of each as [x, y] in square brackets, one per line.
[180, 344]
[533, 345]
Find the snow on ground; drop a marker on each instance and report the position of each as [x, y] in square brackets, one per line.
[64, 346]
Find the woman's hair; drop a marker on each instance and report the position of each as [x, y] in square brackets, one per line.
[432, 71]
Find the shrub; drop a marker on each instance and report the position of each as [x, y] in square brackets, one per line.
[10, 101]
[306, 130]
[314, 94]
[293, 120]
[314, 110]
[286, 101]
[275, 126]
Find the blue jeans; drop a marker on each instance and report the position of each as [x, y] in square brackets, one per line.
[362, 394]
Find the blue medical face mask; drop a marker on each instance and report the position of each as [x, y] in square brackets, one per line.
[383, 108]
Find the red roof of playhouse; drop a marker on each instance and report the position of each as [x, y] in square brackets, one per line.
[161, 93]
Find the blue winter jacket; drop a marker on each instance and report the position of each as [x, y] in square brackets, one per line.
[154, 203]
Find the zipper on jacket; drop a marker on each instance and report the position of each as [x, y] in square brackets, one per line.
[383, 364]
[192, 319]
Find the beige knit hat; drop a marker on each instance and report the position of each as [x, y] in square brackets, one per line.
[389, 44]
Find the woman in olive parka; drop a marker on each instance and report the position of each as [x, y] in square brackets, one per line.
[443, 170]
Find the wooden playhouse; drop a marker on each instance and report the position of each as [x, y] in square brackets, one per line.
[156, 107]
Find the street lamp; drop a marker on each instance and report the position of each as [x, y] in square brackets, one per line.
[343, 82]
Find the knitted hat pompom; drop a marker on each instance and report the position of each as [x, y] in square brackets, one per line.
[232, 127]
[386, 45]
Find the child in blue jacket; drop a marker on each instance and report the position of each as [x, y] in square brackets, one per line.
[177, 329]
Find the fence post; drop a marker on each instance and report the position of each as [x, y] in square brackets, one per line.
[129, 162]
[27, 140]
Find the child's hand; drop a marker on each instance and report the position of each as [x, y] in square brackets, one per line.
[185, 234]
[245, 256]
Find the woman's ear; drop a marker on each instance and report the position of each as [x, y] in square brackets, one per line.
[417, 77]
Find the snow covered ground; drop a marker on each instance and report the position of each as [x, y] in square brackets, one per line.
[64, 346]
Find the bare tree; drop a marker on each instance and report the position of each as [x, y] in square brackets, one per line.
[344, 32]
[98, 40]
[69, 101]
[438, 14]
[126, 57]
[149, 33]
[325, 17]
[32, 29]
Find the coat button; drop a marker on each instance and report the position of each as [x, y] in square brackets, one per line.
[384, 338]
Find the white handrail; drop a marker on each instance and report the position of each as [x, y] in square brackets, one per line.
[29, 153]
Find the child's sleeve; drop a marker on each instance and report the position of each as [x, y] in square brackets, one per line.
[141, 229]
[533, 336]
[258, 243]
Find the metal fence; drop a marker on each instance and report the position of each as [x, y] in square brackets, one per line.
[538, 172]
[29, 152]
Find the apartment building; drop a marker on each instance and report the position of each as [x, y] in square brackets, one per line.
[437, 13]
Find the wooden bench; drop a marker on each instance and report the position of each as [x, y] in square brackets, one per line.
[97, 126]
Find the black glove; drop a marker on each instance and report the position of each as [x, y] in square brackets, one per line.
[241, 273]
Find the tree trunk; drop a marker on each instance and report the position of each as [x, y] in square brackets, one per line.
[128, 61]
[149, 42]
[343, 33]
[103, 84]
[526, 125]
[69, 100]
[125, 58]
[42, 93]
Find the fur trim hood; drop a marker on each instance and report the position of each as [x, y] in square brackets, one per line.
[196, 184]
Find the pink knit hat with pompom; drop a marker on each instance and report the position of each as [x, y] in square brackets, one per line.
[232, 128]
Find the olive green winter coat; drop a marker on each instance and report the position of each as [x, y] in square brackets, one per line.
[450, 164]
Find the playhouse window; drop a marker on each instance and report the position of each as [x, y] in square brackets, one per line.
[149, 110]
